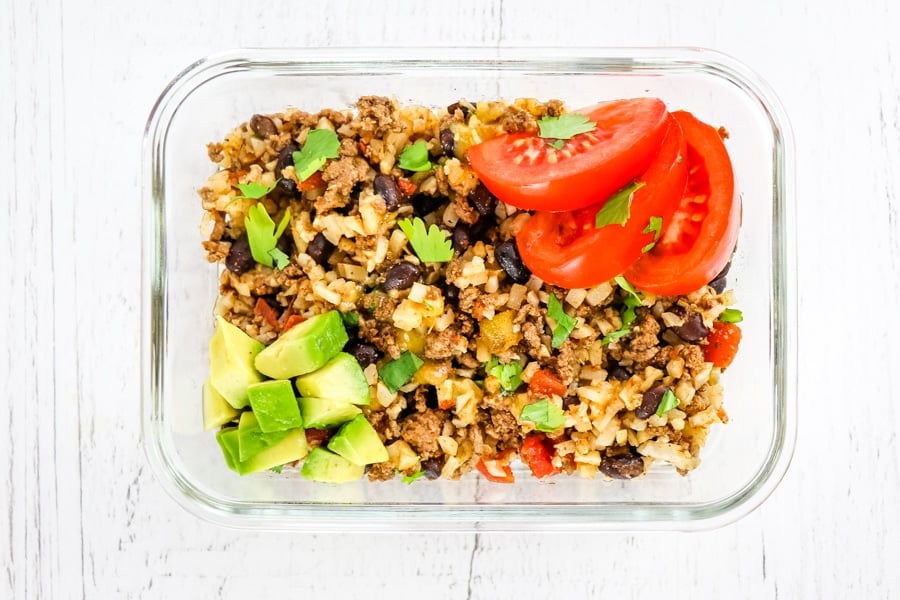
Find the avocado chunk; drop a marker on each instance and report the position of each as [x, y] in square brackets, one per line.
[303, 348]
[274, 405]
[328, 467]
[231, 356]
[228, 442]
[292, 447]
[321, 413]
[358, 442]
[216, 410]
[340, 379]
[252, 440]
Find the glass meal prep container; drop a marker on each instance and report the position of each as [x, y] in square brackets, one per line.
[742, 461]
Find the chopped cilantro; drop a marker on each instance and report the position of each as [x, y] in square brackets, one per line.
[617, 210]
[415, 157]
[321, 144]
[408, 479]
[564, 127]
[632, 301]
[396, 373]
[263, 242]
[509, 374]
[654, 226]
[351, 319]
[731, 315]
[668, 402]
[431, 245]
[564, 323]
[277, 468]
[253, 190]
[614, 335]
[558, 144]
[623, 283]
[545, 415]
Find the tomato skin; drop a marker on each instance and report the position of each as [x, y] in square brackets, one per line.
[566, 249]
[626, 139]
[500, 464]
[699, 240]
[535, 453]
[722, 344]
[544, 383]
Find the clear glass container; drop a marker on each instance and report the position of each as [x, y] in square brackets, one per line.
[742, 462]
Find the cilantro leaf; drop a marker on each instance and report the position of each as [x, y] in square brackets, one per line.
[668, 402]
[617, 210]
[545, 415]
[396, 373]
[632, 301]
[431, 245]
[321, 144]
[731, 315]
[564, 127]
[614, 335]
[509, 374]
[277, 468]
[261, 237]
[415, 157]
[351, 319]
[623, 283]
[558, 144]
[654, 226]
[253, 190]
[564, 323]
[408, 479]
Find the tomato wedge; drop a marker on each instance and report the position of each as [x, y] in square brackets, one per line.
[568, 250]
[698, 241]
[535, 452]
[524, 170]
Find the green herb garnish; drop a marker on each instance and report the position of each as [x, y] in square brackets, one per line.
[509, 374]
[614, 335]
[321, 144]
[396, 373]
[431, 245]
[254, 191]
[668, 402]
[263, 242]
[623, 283]
[617, 210]
[277, 468]
[351, 319]
[564, 323]
[731, 315]
[564, 127]
[407, 479]
[415, 157]
[632, 301]
[545, 415]
[654, 226]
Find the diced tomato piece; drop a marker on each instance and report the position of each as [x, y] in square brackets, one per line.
[406, 186]
[544, 383]
[536, 453]
[497, 468]
[313, 182]
[293, 320]
[265, 311]
[722, 344]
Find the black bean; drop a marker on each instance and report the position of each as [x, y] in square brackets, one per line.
[693, 329]
[285, 160]
[719, 282]
[285, 243]
[451, 293]
[482, 200]
[320, 249]
[425, 205]
[386, 187]
[263, 126]
[447, 142]
[239, 259]
[650, 401]
[627, 466]
[507, 256]
[364, 352]
[570, 401]
[619, 373]
[432, 467]
[400, 276]
[456, 105]
[461, 237]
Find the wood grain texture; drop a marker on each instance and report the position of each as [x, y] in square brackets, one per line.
[85, 518]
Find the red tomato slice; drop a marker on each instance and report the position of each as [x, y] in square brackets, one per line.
[497, 469]
[567, 249]
[536, 454]
[699, 240]
[522, 169]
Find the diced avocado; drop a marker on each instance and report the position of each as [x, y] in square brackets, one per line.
[303, 348]
[216, 410]
[358, 442]
[252, 440]
[340, 379]
[228, 442]
[231, 355]
[328, 467]
[274, 405]
[321, 413]
[292, 447]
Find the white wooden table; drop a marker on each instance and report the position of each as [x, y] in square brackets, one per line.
[84, 518]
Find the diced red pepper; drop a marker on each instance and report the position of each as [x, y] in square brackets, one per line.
[313, 182]
[544, 383]
[262, 309]
[406, 186]
[497, 468]
[291, 321]
[536, 453]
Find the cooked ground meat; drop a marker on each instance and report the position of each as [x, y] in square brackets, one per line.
[421, 431]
